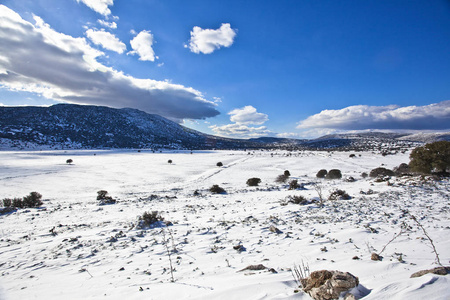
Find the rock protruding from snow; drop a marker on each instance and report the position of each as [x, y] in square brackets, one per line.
[326, 285]
[437, 271]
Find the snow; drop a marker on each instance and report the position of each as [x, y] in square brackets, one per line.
[97, 251]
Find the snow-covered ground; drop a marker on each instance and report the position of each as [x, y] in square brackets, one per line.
[97, 252]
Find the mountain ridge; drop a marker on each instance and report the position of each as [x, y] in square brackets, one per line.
[87, 126]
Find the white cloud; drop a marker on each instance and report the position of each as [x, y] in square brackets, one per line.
[142, 46]
[112, 25]
[359, 117]
[40, 60]
[240, 131]
[106, 39]
[207, 40]
[288, 135]
[248, 115]
[99, 6]
[242, 117]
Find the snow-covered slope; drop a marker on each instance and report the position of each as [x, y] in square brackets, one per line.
[72, 248]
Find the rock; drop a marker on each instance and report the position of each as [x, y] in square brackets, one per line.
[375, 256]
[259, 267]
[437, 271]
[274, 229]
[326, 285]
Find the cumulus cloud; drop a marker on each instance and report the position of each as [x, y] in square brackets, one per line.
[112, 25]
[142, 46]
[360, 117]
[206, 41]
[247, 115]
[240, 131]
[242, 117]
[35, 58]
[99, 6]
[106, 39]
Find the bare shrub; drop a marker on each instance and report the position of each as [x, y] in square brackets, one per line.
[253, 181]
[281, 178]
[215, 189]
[322, 173]
[293, 185]
[339, 195]
[297, 200]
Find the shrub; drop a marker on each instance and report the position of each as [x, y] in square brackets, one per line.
[352, 155]
[364, 175]
[169, 161]
[103, 198]
[339, 195]
[297, 200]
[219, 164]
[215, 189]
[334, 174]
[293, 185]
[32, 200]
[401, 169]
[281, 178]
[253, 181]
[433, 157]
[287, 173]
[381, 172]
[69, 161]
[149, 219]
[322, 173]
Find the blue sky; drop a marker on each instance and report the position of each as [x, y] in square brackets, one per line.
[236, 68]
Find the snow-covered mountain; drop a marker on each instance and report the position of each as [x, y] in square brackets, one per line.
[69, 126]
[80, 126]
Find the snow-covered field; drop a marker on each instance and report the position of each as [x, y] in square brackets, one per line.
[96, 252]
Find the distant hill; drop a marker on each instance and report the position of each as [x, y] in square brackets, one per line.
[69, 126]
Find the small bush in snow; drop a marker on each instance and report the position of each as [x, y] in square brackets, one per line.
[339, 195]
[364, 175]
[219, 164]
[381, 172]
[69, 161]
[334, 174]
[402, 169]
[169, 161]
[103, 198]
[297, 200]
[293, 185]
[30, 201]
[253, 181]
[215, 189]
[287, 173]
[281, 178]
[150, 219]
[322, 173]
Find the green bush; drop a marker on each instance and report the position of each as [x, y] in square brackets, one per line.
[215, 189]
[433, 157]
[253, 181]
[322, 173]
[381, 172]
[149, 219]
[30, 201]
[334, 174]
[103, 198]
